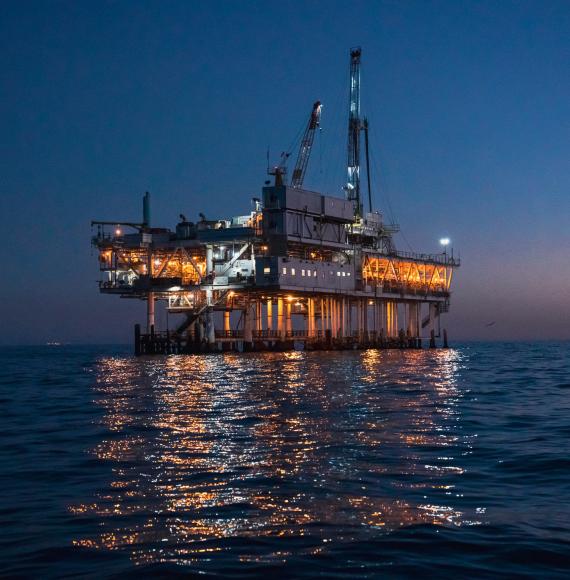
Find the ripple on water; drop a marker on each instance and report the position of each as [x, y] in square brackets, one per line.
[350, 463]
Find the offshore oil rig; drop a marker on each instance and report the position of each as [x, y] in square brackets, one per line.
[300, 268]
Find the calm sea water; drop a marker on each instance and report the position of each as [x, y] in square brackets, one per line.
[351, 464]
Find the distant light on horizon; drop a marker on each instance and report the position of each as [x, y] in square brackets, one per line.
[445, 241]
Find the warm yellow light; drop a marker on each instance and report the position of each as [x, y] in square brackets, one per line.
[290, 298]
[264, 248]
[157, 262]
[118, 232]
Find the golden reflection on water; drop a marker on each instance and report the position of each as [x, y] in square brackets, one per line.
[204, 449]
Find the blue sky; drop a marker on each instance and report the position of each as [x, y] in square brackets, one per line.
[468, 103]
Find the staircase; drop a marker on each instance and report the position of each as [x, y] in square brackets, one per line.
[441, 308]
[191, 318]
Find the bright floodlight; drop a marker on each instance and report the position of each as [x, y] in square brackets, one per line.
[444, 241]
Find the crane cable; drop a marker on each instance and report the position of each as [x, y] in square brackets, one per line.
[386, 197]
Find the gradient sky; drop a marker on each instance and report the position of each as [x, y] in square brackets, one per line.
[468, 103]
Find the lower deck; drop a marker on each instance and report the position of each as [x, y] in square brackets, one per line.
[254, 322]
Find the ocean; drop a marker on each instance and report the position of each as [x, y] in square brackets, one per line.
[448, 463]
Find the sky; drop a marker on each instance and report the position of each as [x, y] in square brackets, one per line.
[468, 104]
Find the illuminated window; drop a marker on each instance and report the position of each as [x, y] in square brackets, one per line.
[267, 270]
[315, 273]
[344, 273]
[284, 271]
[292, 271]
[348, 273]
[309, 273]
[302, 272]
[338, 273]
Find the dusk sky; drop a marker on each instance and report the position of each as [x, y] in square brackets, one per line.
[469, 105]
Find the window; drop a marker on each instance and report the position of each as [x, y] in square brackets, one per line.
[315, 273]
[267, 270]
[344, 273]
[302, 272]
[338, 273]
[309, 273]
[284, 271]
[292, 271]
[348, 273]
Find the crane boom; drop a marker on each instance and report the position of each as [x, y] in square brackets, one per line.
[306, 145]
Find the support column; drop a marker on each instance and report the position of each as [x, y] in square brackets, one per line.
[210, 328]
[269, 314]
[341, 317]
[258, 316]
[227, 345]
[137, 339]
[392, 319]
[433, 315]
[201, 329]
[412, 326]
[335, 313]
[150, 311]
[227, 326]
[384, 318]
[280, 321]
[288, 325]
[209, 259]
[332, 313]
[247, 329]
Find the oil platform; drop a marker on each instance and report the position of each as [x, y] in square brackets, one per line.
[301, 268]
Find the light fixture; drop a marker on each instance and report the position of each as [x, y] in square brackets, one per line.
[444, 241]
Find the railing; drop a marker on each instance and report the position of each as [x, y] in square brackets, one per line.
[443, 259]
[229, 333]
[396, 288]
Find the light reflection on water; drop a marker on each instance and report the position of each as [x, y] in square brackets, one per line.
[328, 447]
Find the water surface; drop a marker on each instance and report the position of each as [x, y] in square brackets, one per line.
[448, 462]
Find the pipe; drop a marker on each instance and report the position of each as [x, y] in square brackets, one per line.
[146, 209]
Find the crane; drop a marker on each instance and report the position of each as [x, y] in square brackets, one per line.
[306, 145]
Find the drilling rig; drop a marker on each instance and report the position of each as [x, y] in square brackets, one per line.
[302, 268]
